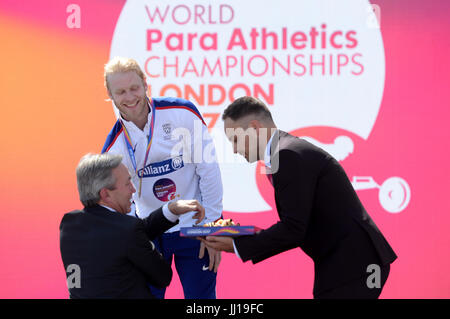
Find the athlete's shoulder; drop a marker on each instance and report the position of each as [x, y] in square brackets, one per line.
[175, 103]
[111, 139]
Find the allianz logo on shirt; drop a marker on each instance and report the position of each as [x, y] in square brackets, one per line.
[162, 168]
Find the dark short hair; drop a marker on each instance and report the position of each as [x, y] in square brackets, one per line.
[246, 105]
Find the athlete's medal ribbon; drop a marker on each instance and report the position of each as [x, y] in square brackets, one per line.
[149, 145]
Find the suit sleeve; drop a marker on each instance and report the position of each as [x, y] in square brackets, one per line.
[294, 184]
[156, 224]
[147, 259]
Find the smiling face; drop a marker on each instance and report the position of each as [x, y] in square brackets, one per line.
[128, 92]
[119, 197]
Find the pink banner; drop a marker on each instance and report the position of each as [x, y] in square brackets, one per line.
[368, 82]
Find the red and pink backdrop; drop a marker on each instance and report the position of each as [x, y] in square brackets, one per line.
[366, 81]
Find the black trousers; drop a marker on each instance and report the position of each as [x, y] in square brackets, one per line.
[357, 289]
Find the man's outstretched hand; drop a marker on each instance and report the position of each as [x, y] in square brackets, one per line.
[182, 206]
[220, 243]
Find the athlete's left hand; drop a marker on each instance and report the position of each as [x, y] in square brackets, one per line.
[215, 256]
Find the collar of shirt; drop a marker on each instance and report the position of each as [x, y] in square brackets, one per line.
[267, 152]
[132, 213]
[109, 208]
[133, 129]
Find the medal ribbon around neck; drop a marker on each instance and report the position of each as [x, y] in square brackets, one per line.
[149, 145]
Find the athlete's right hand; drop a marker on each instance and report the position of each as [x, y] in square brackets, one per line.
[182, 206]
[215, 256]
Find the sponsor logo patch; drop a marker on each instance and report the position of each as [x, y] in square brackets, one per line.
[162, 168]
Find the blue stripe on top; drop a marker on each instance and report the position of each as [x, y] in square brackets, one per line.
[161, 102]
[112, 136]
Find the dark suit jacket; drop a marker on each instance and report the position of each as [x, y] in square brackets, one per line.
[113, 251]
[320, 213]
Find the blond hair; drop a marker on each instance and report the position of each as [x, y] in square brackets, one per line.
[121, 64]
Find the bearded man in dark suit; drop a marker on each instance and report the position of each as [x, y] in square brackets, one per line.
[318, 208]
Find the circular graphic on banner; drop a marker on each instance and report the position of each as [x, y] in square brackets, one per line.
[313, 63]
[394, 194]
[164, 189]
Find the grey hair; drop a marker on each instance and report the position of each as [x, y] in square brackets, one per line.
[94, 172]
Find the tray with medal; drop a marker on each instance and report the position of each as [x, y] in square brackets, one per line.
[222, 227]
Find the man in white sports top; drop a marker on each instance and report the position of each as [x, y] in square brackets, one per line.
[166, 146]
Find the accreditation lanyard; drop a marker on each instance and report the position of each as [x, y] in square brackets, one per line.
[149, 145]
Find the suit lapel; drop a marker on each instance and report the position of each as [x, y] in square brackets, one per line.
[274, 151]
[269, 177]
